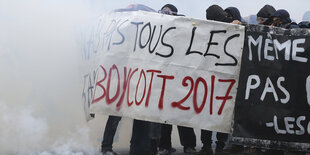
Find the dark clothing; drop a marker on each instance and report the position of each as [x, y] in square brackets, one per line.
[140, 143]
[283, 15]
[285, 18]
[145, 136]
[109, 132]
[304, 24]
[206, 138]
[215, 12]
[293, 25]
[266, 11]
[186, 134]
[288, 25]
[234, 13]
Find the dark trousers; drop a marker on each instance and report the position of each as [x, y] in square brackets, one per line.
[186, 134]
[109, 132]
[140, 143]
[206, 138]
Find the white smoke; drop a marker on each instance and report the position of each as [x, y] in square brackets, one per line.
[40, 87]
[20, 130]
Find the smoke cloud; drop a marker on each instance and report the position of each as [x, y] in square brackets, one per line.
[40, 85]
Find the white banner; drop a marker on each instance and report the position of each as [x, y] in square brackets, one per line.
[163, 68]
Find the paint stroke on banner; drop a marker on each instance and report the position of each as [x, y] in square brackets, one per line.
[165, 69]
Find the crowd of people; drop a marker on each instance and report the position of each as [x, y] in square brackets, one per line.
[149, 138]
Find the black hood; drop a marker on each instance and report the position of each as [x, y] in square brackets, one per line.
[266, 11]
[234, 12]
[216, 13]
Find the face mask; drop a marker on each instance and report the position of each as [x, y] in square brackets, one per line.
[261, 20]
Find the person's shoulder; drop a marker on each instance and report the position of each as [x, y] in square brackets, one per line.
[304, 24]
[294, 26]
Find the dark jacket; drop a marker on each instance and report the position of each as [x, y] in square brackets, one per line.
[215, 12]
[304, 24]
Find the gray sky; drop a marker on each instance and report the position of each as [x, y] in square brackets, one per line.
[196, 8]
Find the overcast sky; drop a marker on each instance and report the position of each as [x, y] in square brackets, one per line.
[196, 8]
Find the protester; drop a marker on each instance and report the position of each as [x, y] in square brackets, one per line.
[144, 132]
[187, 135]
[234, 14]
[142, 140]
[264, 15]
[187, 139]
[216, 13]
[108, 135]
[169, 9]
[206, 139]
[281, 18]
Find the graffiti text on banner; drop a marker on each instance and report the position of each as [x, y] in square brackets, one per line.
[273, 92]
[166, 69]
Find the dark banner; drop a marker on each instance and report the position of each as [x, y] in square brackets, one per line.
[273, 100]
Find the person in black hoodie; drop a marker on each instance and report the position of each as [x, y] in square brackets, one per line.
[264, 15]
[281, 18]
[186, 134]
[234, 14]
[215, 13]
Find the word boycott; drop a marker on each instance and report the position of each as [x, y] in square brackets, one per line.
[143, 89]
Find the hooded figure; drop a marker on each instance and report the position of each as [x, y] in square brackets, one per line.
[234, 13]
[281, 18]
[215, 12]
[264, 15]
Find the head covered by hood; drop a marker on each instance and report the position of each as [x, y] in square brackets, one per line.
[266, 11]
[172, 8]
[283, 15]
[234, 13]
[215, 12]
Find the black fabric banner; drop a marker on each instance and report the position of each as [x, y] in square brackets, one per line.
[273, 101]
